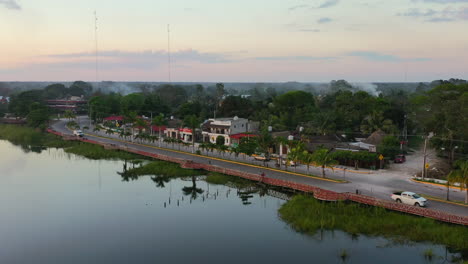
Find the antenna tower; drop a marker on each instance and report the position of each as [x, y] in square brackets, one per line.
[169, 52]
[96, 44]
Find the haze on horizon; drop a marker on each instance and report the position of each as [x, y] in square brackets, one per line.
[236, 41]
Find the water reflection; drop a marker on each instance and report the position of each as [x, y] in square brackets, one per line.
[53, 212]
[192, 191]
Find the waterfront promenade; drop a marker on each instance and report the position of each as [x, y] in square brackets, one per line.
[379, 194]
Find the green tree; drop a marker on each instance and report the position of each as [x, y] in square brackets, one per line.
[323, 158]
[69, 114]
[376, 121]
[236, 106]
[307, 159]
[294, 107]
[159, 121]
[460, 176]
[192, 122]
[264, 142]
[444, 111]
[131, 118]
[38, 116]
[389, 147]
[80, 88]
[247, 146]
[220, 140]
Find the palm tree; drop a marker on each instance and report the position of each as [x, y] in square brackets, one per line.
[376, 121]
[159, 121]
[296, 152]
[264, 141]
[280, 142]
[109, 132]
[131, 118]
[69, 114]
[460, 176]
[193, 122]
[121, 133]
[203, 147]
[323, 158]
[223, 149]
[307, 159]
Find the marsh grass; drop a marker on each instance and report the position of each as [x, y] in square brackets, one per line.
[161, 168]
[223, 179]
[96, 152]
[428, 254]
[308, 215]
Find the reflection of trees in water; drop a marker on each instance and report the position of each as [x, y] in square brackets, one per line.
[31, 148]
[160, 180]
[192, 191]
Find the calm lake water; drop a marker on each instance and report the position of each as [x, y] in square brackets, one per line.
[61, 208]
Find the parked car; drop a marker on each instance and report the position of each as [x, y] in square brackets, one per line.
[78, 133]
[289, 162]
[261, 158]
[400, 158]
[410, 198]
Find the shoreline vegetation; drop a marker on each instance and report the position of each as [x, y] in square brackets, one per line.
[31, 139]
[308, 215]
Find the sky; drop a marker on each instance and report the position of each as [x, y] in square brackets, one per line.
[234, 41]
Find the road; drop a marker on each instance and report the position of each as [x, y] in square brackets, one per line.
[379, 185]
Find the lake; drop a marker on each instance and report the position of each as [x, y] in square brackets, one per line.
[61, 208]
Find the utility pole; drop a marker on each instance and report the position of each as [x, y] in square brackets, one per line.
[431, 134]
[424, 159]
[151, 124]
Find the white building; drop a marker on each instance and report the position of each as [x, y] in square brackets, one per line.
[229, 128]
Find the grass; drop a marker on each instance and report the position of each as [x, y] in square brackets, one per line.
[96, 152]
[223, 179]
[308, 215]
[161, 168]
[428, 254]
[344, 255]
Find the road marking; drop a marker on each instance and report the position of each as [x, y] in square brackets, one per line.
[435, 184]
[442, 201]
[213, 158]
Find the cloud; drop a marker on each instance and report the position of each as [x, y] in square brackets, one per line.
[309, 30]
[10, 4]
[296, 7]
[324, 20]
[430, 15]
[147, 56]
[297, 58]
[329, 3]
[375, 56]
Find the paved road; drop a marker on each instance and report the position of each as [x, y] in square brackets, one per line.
[376, 185]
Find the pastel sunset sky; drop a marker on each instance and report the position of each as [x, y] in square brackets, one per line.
[234, 41]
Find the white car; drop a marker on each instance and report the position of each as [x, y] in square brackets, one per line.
[78, 133]
[410, 198]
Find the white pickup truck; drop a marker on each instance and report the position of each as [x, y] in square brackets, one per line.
[409, 198]
[78, 133]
